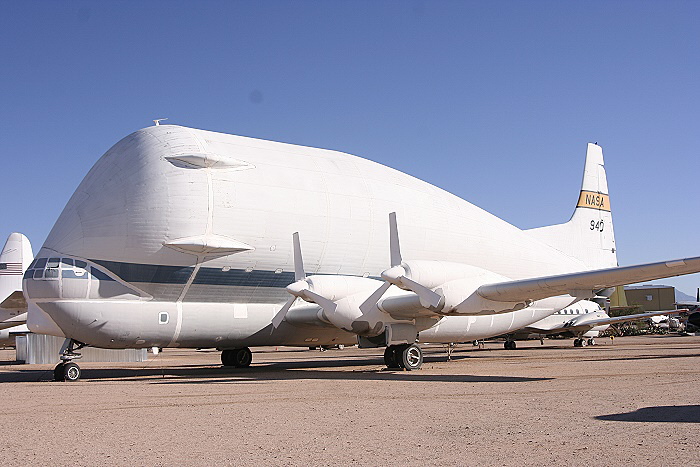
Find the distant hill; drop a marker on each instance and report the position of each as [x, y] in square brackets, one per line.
[681, 297]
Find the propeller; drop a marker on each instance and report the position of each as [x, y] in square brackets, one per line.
[396, 275]
[300, 288]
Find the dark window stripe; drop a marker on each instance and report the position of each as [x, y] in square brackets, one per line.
[131, 272]
[238, 277]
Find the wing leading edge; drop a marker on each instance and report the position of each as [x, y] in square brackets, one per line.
[584, 284]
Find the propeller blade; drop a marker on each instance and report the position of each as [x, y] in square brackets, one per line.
[394, 247]
[299, 273]
[328, 306]
[426, 295]
[279, 317]
[374, 298]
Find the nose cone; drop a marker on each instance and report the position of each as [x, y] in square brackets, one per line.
[134, 200]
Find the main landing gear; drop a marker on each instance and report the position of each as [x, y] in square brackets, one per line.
[403, 356]
[67, 370]
[583, 342]
[509, 344]
[240, 358]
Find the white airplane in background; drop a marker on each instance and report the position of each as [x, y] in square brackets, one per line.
[180, 237]
[584, 319]
[15, 257]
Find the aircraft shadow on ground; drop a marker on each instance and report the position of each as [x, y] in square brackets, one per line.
[640, 357]
[665, 414]
[278, 371]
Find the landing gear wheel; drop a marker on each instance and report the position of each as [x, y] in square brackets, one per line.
[239, 358]
[242, 357]
[577, 342]
[591, 341]
[391, 355]
[411, 357]
[71, 372]
[509, 345]
[58, 374]
[584, 342]
[66, 372]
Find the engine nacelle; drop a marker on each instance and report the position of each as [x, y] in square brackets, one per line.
[348, 293]
[458, 283]
[336, 288]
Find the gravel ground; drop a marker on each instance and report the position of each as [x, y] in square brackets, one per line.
[631, 403]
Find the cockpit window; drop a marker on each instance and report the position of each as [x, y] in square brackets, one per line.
[38, 273]
[51, 274]
[67, 262]
[80, 264]
[53, 262]
[40, 263]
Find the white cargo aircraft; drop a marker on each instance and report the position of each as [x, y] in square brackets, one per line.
[584, 319]
[180, 237]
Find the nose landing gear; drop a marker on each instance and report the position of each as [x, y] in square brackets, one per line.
[67, 370]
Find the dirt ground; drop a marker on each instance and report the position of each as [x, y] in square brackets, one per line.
[631, 403]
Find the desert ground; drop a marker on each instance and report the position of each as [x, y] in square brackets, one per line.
[634, 402]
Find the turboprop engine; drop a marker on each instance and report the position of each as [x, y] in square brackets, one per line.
[455, 285]
[342, 298]
[426, 289]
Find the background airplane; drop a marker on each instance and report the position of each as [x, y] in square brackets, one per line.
[584, 319]
[15, 257]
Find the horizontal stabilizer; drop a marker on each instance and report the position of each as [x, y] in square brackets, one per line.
[15, 301]
[584, 284]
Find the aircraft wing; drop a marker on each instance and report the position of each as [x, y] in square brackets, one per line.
[584, 284]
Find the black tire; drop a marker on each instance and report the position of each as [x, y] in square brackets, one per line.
[242, 358]
[390, 357]
[58, 374]
[226, 359]
[411, 357]
[71, 372]
[577, 342]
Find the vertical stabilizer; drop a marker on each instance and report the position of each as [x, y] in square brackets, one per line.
[589, 235]
[15, 258]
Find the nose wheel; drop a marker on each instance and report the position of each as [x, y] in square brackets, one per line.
[67, 370]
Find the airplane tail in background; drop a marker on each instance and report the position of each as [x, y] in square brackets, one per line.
[15, 258]
[589, 235]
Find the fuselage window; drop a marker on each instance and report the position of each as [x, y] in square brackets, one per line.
[163, 317]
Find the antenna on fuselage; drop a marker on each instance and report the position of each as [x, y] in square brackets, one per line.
[158, 120]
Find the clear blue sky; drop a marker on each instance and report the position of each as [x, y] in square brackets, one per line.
[493, 101]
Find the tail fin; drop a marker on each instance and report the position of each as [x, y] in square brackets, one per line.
[15, 258]
[589, 234]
